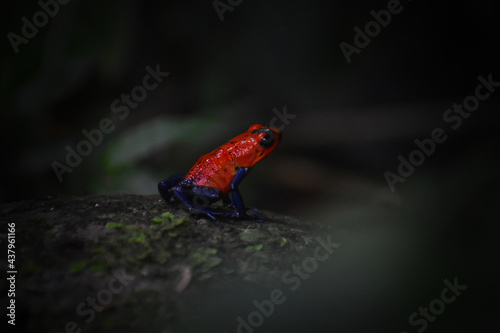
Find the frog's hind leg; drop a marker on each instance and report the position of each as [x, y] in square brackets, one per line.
[165, 186]
[196, 198]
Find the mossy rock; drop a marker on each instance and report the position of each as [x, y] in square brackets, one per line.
[73, 248]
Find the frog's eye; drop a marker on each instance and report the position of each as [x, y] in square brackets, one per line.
[268, 140]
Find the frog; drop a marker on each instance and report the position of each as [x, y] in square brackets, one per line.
[216, 176]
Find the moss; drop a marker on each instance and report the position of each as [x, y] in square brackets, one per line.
[253, 248]
[168, 221]
[206, 267]
[198, 258]
[211, 263]
[168, 215]
[138, 238]
[77, 267]
[158, 220]
[204, 259]
[201, 255]
[252, 235]
[113, 225]
[210, 251]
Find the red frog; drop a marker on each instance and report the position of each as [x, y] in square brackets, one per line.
[218, 173]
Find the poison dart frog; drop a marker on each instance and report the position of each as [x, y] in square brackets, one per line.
[217, 174]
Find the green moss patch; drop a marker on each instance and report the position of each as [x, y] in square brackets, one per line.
[77, 267]
[167, 221]
[204, 260]
[254, 248]
[113, 225]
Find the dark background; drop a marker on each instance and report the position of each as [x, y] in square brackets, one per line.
[352, 120]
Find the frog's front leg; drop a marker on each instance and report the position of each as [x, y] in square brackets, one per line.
[236, 196]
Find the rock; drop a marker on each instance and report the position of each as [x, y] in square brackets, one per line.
[128, 262]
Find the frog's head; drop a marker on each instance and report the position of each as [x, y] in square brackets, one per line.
[267, 139]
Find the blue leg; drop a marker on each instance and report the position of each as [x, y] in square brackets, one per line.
[236, 196]
[166, 185]
[196, 198]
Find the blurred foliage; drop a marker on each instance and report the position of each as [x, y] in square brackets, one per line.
[352, 120]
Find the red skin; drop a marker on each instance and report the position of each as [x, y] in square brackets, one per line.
[218, 168]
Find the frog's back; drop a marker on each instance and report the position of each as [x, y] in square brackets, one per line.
[215, 169]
